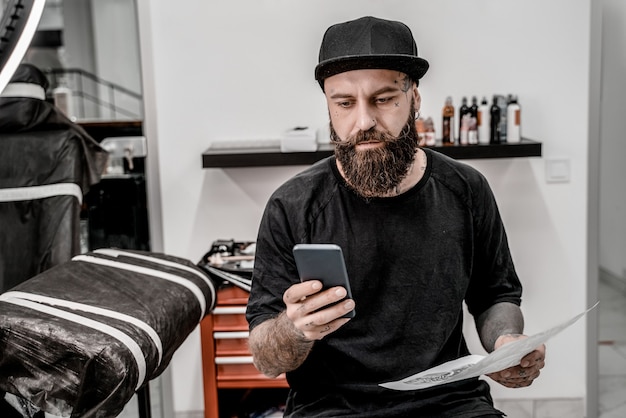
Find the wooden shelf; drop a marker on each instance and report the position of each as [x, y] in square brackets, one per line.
[99, 129]
[268, 157]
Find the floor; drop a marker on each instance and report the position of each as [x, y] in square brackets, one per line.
[612, 349]
[612, 360]
[132, 408]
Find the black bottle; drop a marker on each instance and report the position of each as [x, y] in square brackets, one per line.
[473, 127]
[495, 137]
[463, 110]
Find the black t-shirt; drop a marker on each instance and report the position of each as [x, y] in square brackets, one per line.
[412, 260]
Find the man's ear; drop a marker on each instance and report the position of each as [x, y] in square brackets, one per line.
[417, 97]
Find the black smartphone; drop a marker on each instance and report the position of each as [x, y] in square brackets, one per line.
[323, 262]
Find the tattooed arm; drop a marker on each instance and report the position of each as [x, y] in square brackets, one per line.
[503, 323]
[500, 319]
[281, 344]
[277, 346]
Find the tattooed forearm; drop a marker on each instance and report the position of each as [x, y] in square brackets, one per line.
[277, 346]
[500, 319]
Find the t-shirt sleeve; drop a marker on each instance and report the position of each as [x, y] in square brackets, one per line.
[274, 266]
[494, 279]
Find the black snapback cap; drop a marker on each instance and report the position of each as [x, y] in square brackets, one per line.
[369, 43]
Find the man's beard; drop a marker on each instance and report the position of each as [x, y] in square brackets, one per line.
[376, 172]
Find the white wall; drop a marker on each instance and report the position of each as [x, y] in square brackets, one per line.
[244, 69]
[613, 143]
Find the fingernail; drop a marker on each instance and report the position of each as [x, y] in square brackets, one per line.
[316, 285]
[506, 374]
[340, 291]
[349, 305]
[525, 364]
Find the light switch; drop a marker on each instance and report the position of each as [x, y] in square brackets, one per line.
[557, 170]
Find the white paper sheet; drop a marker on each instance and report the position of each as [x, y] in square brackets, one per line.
[475, 365]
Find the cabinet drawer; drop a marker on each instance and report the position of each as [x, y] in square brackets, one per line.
[232, 296]
[234, 367]
[230, 318]
[239, 372]
[231, 343]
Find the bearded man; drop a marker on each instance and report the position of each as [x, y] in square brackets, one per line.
[420, 232]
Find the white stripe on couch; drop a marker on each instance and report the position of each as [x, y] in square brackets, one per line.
[150, 272]
[114, 253]
[91, 309]
[132, 346]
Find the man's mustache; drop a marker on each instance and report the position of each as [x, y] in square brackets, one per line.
[365, 136]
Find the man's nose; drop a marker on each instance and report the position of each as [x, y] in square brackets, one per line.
[366, 118]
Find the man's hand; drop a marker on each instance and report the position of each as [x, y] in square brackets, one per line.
[526, 372]
[308, 311]
[281, 344]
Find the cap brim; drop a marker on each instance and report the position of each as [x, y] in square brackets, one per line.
[414, 67]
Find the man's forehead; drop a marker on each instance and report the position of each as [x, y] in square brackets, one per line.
[370, 79]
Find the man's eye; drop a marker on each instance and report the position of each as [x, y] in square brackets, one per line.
[344, 104]
[383, 100]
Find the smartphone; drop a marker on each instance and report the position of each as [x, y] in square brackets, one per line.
[323, 262]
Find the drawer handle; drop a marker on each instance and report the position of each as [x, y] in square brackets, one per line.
[225, 335]
[229, 310]
[234, 360]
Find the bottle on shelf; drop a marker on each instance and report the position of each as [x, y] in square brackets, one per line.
[513, 120]
[464, 129]
[429, 136]
[483, 122]
[502, 102]
[421, 131]
[463, 122]
[447, 130]
[472, 132]
[494, 125]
